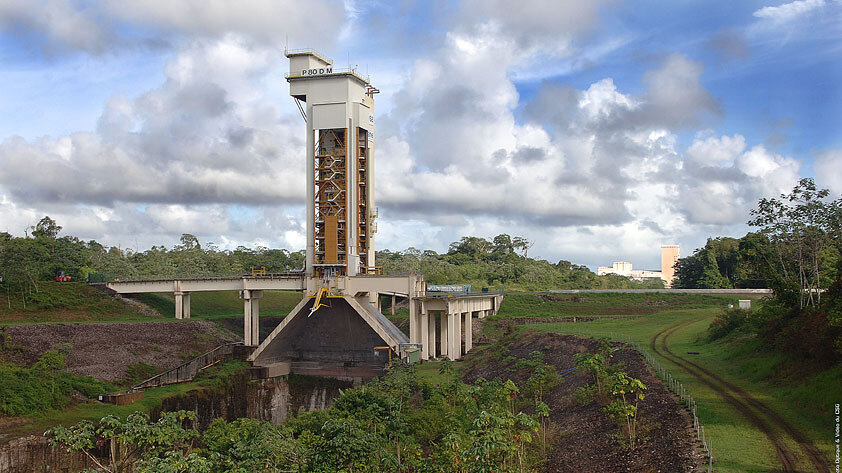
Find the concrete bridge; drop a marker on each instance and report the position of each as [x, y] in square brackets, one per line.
[443, 318]
[250, 289]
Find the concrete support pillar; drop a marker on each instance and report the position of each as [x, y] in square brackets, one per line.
[393, 304]
[414, 322]
[456, 336]
[246, 318]
[444, 340]
[179, 304]
[186, 305]
[425, 335]
[431, 335]
[251, 316]
[255, 321]
[469, 335]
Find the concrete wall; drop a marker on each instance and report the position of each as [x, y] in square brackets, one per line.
[34, 454]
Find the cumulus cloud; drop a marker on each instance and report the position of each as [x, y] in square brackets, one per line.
[203, 136]
[788, 11]
[267, 20]
[96, 27]
[828, 167]
[56, 25]
[594, 171]
[545, 26]
[722, 180]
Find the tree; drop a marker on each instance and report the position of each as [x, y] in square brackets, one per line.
[799, 227]
[46, 228]
[189, 242]
[135, 444]
[523, 244]
[503, 244]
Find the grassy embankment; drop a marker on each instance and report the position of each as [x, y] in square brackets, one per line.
[77, 302]
[211, 379]
[67, 302]
[801, 394]
[224, 304]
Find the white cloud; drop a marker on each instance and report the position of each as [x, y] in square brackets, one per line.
[722, 180]
[58, 24]
[828, 170]
[715, 151]
[205, 135]
[589, 173]
[97, 27]
[788, 11]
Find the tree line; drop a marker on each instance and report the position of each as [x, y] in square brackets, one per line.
[500, 262]
[42, 254]
[795, 250]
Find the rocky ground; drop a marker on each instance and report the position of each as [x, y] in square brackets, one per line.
[106, 350]
[587, 439]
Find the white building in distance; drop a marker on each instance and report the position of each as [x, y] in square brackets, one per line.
[669, 255]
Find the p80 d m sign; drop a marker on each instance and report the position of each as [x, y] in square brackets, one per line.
[317, 72]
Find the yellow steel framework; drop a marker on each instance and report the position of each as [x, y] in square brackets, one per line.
[331, 198]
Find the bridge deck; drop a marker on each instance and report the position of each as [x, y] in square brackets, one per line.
[285, 281]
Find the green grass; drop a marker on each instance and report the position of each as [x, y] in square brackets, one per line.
[213, 379]
[429, 371]
[604, 304]
[224, 304]
[67, 302]
[77, 302]
[801, 394]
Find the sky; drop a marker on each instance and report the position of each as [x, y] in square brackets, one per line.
[597, 129]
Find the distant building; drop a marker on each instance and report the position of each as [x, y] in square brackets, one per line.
[669, 255]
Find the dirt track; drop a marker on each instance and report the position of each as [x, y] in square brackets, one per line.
[744, 404]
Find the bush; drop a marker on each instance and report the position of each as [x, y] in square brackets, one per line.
[139, 372]
[726, 322]
[26, 391]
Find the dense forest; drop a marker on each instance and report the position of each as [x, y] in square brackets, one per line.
[43, 254]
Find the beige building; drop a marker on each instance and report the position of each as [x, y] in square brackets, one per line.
[669, 255]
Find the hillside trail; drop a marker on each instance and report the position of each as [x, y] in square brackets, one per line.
[761, 416]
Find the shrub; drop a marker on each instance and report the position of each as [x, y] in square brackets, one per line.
[25, 391]
[726, 322]
[139, 372]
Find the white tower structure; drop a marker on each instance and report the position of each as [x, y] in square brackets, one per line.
[338, 107]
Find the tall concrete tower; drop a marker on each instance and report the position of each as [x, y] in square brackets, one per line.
[669, 255]
[338, 106]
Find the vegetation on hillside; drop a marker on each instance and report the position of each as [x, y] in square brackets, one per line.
[43, 386]
[496, 263]
[394, 423]
[797, 251]
[27, 262]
